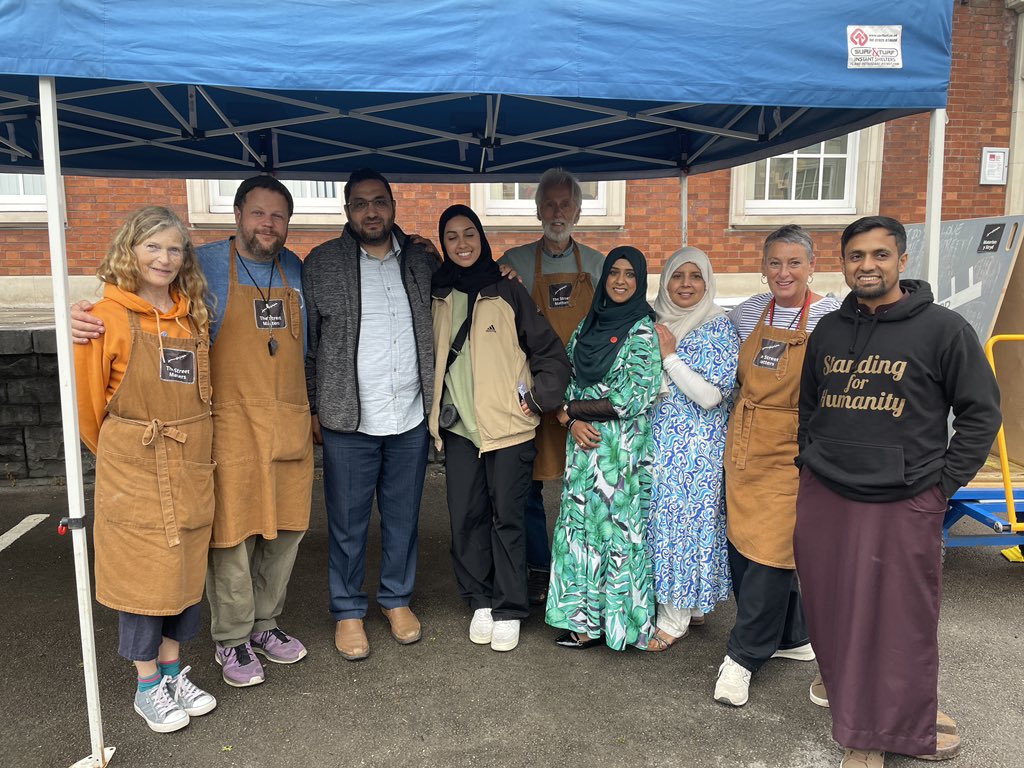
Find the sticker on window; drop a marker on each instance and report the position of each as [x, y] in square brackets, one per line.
[178, 366]
[270, 314]
[874, 47]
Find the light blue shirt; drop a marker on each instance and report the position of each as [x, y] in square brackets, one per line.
[390, 398]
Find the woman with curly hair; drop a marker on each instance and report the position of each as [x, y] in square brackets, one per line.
[144, 410]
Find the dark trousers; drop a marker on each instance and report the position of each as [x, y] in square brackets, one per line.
[769, 615]
[139, 637]
[356, 468]
[538, 551]
[486, 497]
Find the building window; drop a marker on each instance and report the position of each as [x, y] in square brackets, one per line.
[826, 184]
[317, 203]
[510, 205]
[22, 192]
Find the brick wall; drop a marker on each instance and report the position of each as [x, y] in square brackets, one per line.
[979, 115]
[31, 438]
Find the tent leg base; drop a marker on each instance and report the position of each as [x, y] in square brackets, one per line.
[93, 762]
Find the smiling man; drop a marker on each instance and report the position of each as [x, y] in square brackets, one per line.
[369, 378]
[560, 274]
[877, 469]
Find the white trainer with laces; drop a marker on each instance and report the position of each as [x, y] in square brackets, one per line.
[189, 696]
[801, 653]
[481, 627]
[505, 636]
[159, 709]
[733, 686]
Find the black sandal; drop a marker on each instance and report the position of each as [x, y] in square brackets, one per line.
[572, 640]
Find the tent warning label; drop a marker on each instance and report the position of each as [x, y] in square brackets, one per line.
[874, 47]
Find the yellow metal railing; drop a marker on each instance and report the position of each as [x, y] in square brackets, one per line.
[1004, 460]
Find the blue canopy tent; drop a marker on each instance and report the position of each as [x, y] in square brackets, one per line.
[440, 90]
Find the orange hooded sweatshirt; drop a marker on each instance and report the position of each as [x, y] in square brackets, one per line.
[100, 365]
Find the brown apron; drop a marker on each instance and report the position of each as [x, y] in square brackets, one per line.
[261, 441]
[760, 477]
[154, 479]
[564, 298]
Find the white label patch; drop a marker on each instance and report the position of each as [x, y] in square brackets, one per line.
[874, 47]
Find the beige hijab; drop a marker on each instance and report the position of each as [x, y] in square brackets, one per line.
[678, 320]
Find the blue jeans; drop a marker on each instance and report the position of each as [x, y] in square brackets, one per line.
[538, 551]
[356, 468]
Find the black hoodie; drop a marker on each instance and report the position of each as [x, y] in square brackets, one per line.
[875, 396]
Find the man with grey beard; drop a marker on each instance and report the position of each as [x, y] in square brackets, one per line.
[561, 275]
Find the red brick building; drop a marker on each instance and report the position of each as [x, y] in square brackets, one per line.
[883, 169]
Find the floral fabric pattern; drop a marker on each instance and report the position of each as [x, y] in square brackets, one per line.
[601, 579]
[686, 528]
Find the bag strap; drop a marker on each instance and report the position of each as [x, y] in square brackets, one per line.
[460, 339]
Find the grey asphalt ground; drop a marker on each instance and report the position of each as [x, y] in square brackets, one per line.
[446, 702]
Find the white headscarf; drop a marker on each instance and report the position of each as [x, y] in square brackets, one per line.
[678, 320]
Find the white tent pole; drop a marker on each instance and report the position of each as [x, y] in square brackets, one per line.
[684, 216]
[69, 412]
[933, 201]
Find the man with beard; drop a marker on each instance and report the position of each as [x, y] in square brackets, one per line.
[264, 457]
[877, 467]
[560, 274]
[369, 377]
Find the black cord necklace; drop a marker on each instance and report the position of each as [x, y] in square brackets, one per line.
[271, 342]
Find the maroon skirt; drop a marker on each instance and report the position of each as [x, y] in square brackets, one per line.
[871, 577]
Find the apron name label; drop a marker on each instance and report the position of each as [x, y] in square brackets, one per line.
[178, 366]
[559, 295]
[269, 314]
[770, 354]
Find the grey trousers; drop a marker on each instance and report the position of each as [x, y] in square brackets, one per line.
[246, 585]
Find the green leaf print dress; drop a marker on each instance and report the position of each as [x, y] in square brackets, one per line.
[601, 577]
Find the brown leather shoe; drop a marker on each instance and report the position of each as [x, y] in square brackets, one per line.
[405, 627]
[350, 639]
[947, 746]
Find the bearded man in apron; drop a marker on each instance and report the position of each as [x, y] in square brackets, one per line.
[560, 275]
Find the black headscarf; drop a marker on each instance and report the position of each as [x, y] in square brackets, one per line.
[471, 279]
[606, 325]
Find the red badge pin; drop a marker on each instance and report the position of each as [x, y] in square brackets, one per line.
[614, 339]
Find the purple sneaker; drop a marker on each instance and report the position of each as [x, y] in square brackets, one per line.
[277, 646]
[241, 668]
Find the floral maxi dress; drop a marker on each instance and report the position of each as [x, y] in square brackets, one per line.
[601, 581]
[686, 532]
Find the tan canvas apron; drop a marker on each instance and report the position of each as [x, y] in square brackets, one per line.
[261, 441]
[760, 477]
[154, 479]
[564, 298]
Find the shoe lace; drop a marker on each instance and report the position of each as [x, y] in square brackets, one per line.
[243, 654]
[277, 633]
[185, 689]
[736, 673]
[161, 697]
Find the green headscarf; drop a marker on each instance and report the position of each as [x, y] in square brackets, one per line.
[606, 325]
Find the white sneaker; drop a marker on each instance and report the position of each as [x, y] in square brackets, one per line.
[505, 635]
[801, 653]
[159, 709]
[733, 684]
[481, 627]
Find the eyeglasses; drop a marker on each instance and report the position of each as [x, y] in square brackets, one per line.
[378, 203]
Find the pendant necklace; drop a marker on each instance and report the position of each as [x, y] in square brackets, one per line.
[271, 342]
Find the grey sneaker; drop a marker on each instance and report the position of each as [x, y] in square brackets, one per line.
[277, 646]
[241, 668]
[189, 696]
[159, 709]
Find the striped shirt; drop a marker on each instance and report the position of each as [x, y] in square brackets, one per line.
[745, 316]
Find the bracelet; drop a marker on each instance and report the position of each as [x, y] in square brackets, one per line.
[569, 425]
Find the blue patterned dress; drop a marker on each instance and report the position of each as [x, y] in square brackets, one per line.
[686, 528]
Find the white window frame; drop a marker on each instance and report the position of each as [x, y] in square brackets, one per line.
[21, 209]
[608, 211]
[864, 149]
[208, 208]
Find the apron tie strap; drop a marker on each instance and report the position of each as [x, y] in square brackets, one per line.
[161, 429]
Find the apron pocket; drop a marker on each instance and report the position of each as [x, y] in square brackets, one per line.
[192, 486]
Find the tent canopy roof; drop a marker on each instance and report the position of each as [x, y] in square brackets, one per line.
[451, 89]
